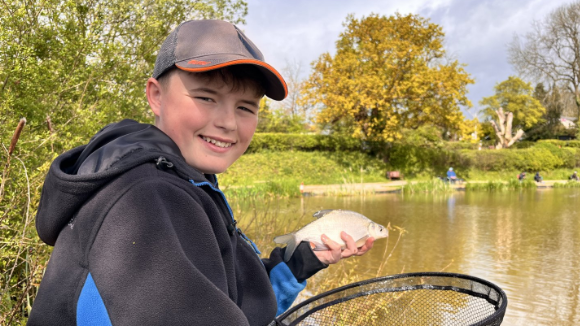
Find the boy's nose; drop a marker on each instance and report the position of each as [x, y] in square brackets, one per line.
[226, 119]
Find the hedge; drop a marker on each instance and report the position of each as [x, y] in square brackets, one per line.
[561, 143]
[413, 160]
[302, 142]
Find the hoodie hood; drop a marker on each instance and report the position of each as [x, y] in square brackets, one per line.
[76, 175]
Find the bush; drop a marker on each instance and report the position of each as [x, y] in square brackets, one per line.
[460, 145]
[302, 142]
[542, 157]
[561, 143]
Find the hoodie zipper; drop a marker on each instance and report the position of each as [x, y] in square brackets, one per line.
[232, 226]
[163, 164]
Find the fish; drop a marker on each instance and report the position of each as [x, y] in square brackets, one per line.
[331, 222]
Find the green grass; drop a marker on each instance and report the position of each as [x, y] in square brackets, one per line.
[280, 173]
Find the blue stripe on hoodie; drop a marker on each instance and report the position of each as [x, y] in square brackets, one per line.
[285, 285]
[91, 310]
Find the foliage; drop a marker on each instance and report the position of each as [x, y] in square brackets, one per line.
[468, 128]
[276, 121]
[69, 67]
[422, 152]
[494, 185]
[302, 142]
[569, 184]
[537, 158]
[431, 186]
[551, 126]
[561, 143]
[515, 96]
[308, 167]
[387, 74]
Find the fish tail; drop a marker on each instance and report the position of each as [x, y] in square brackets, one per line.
[290, 241]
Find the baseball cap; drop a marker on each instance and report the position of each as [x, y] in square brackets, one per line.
[203, 45]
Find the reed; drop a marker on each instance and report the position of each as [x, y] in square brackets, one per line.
[569, 184]
[11, 148]
[431, 186]
[500, 185]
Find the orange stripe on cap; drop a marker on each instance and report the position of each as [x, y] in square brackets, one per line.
[236, 62]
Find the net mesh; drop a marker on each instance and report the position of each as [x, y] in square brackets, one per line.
[406, 299]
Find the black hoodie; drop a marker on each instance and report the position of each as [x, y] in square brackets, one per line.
[142, 238]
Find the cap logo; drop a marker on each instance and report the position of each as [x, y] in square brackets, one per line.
[198, 62]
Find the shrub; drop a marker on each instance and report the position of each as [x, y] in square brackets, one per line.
[302, 142]
[561, 143]
[543, 157]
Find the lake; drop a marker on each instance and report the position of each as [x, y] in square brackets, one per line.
[526, 242]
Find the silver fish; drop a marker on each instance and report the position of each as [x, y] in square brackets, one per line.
[331, 222]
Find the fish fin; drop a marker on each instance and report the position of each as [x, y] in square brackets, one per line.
[321, 213]
[284, 238]
[290, 247]
[290, 241]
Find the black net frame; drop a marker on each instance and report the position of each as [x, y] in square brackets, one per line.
[425, 298]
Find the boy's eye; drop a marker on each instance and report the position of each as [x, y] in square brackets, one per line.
[206, 99]
[246, 109]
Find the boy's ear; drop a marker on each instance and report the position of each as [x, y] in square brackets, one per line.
[154, 93]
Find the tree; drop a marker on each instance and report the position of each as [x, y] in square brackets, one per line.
[387, 74]
[551, 52]
[275, 120]
[291, 74]
[69, 68]
[85, 63]
[515, 96]
[552, 100]
[503, 129]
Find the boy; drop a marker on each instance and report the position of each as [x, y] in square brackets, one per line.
[142, 234]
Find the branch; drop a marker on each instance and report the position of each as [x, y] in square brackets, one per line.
[501, 117]
[508, 126]
[497, 132]
[518, 135]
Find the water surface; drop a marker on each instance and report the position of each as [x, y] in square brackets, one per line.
[526, 242]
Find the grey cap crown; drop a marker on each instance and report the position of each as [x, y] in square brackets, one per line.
[202, 45]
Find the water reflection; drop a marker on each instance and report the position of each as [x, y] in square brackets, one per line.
[526, 242]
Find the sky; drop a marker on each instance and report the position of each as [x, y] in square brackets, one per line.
[477, 32]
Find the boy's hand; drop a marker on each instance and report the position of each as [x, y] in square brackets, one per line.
[336, 253]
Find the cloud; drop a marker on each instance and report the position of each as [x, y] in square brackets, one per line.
[477, 32]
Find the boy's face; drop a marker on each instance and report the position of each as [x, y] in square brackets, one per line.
[211, 124]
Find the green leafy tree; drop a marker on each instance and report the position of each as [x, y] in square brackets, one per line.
[69, 68]
[554, 104]
[387, 74]
[515, 96]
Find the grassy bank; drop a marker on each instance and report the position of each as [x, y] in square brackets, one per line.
[271, 174]
[281, 173]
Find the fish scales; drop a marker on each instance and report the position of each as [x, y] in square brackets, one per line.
[332, 223]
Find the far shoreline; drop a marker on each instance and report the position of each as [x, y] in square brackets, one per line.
[391, 187]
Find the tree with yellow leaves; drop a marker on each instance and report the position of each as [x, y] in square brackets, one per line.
[388, 73]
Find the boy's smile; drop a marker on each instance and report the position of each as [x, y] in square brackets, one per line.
[211, 124]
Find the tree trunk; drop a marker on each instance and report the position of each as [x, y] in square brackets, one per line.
[503, 131]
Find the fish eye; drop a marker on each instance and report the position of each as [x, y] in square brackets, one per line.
[381, 229]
